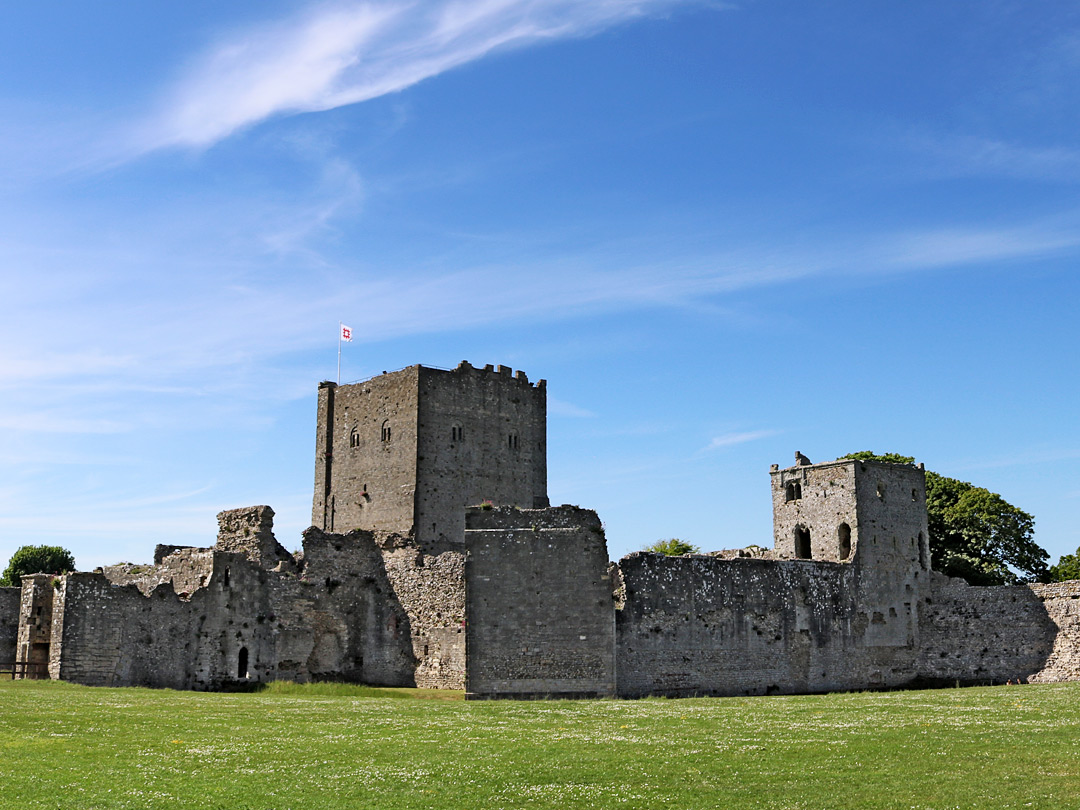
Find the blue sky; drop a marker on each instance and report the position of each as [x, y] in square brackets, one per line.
[721, 231]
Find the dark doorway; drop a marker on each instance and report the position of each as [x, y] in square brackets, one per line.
[242, 663]
[802, 543]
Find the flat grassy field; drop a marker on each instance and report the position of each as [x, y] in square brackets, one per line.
[309, 748]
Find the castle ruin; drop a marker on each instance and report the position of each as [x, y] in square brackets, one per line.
[434, 560]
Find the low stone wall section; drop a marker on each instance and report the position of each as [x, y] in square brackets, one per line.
[538, 598]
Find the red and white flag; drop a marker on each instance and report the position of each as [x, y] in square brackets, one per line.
[346, 333]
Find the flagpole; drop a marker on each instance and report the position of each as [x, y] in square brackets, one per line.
[339, 352]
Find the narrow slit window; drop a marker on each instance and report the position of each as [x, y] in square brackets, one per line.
[386, 433]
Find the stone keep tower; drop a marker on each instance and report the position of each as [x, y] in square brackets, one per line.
[845, 510]
[406, 452]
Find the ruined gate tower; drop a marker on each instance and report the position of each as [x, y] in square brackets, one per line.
[406, 452]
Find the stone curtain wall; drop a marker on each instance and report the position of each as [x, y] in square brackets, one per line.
[9, 623]
[995, 634]
[699, 625]
[539, 603]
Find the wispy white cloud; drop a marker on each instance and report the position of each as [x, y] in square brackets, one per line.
[59, 422]
[205, 324]
[1036, 456]
[969, 155]
[557, 407]
[946, 247]
[345, 53]
[731, 439]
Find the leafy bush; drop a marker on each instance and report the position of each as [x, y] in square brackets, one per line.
[673, 547]
[37, 560]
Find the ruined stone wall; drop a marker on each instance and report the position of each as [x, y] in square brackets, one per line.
[197, 618]
[356, 607]
[365, 468]
[349, 623]
[973, 634]
[9, 622]
[538, 599]
[431, 590]
[1062, 603]
[104, 634]
[250, 531]
[186, 569]
[482, 436]
[113, 635]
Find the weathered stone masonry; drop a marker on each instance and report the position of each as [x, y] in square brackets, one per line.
[399, 584]
[538, 598]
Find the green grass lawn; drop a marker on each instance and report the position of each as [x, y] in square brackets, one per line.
[64, 746]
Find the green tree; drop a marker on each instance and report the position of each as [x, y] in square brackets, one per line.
[673, 547]
[37, 560]
[974, 533]
[1068, 567]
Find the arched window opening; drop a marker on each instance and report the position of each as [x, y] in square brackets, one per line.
[512, 441]
[843, 535]
[242, 663]
[802, 542]
[456, 433]
[386, 431]
[881, 490]
[923, 562]
[354, 438]
[793, 491]
[225, 580]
